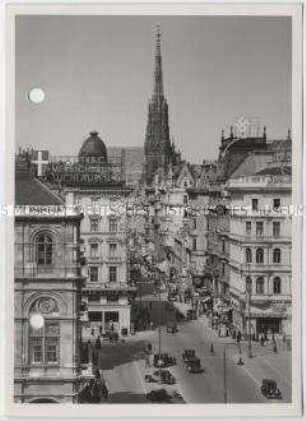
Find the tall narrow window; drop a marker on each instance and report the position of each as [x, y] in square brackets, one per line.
[93, 273]
[259, 255]
[276, 229]
[44, 249]
[94, 253]
[276, 256]
[223, 246]
[248, 228]
[112, 250]
[194, 244]
[94, 224]
[259, 229]
[113, 224]
[260, 286]
[195, 224]
[112, 274]
[254, 204]
[277, 285]
[276, 203]
[248, 255]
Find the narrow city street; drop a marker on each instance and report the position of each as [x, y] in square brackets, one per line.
[124, 369]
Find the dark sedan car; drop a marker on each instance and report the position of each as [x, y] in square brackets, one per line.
[270, 390]
[160, 396]
[163, 360]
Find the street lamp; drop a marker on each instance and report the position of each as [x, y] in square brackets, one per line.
[248, 297]
[240, 362]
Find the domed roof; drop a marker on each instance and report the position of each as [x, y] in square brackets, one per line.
[93, 147]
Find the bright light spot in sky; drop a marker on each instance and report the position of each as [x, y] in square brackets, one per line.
[36, 95]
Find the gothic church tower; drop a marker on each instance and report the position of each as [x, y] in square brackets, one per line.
[159, 152]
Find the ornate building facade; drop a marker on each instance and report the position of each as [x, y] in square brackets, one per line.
[48, 285]
[104, 237]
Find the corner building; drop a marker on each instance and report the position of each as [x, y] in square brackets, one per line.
[102, 195]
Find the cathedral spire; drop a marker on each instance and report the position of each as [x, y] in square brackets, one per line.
[158, 73]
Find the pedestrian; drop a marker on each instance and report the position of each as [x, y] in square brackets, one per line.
[238, 336]
[98, 343]
[262, 340]
[151, 325]
[149, 347]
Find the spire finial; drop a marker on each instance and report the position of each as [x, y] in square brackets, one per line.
[158, 74]
[232, 134]
[289, 135]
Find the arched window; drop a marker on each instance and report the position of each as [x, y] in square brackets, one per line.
[248, 284]
[259, 256]
[276, 256]
[248, 255]
[277, 285]
[260, 285]
[44, 249]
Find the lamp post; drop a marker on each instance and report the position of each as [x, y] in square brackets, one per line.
[248, 297]
[240, 362]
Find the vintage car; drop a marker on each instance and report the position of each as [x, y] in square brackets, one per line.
[163, 360]
[188, 354]
[270, 390]
[160, 376]
[172, 328]
[159, 395]
[194, 365]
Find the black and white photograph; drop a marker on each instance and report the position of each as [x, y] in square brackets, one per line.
[155, 164]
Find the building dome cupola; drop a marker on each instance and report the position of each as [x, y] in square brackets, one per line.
[93, 149]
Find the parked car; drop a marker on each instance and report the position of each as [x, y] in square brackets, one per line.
[159, 395]
[191, 315]
[194, 365]
[188, 354]
[166, 376]
[172, 328]
[160, 376]
[270, 390]
[163, 360]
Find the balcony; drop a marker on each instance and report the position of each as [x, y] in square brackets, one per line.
[47, 272]
[109, 286]
[260, 182]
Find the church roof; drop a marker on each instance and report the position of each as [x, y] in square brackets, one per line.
[93, 147]
[30, 191]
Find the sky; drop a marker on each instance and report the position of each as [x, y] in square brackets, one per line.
[97, 73]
